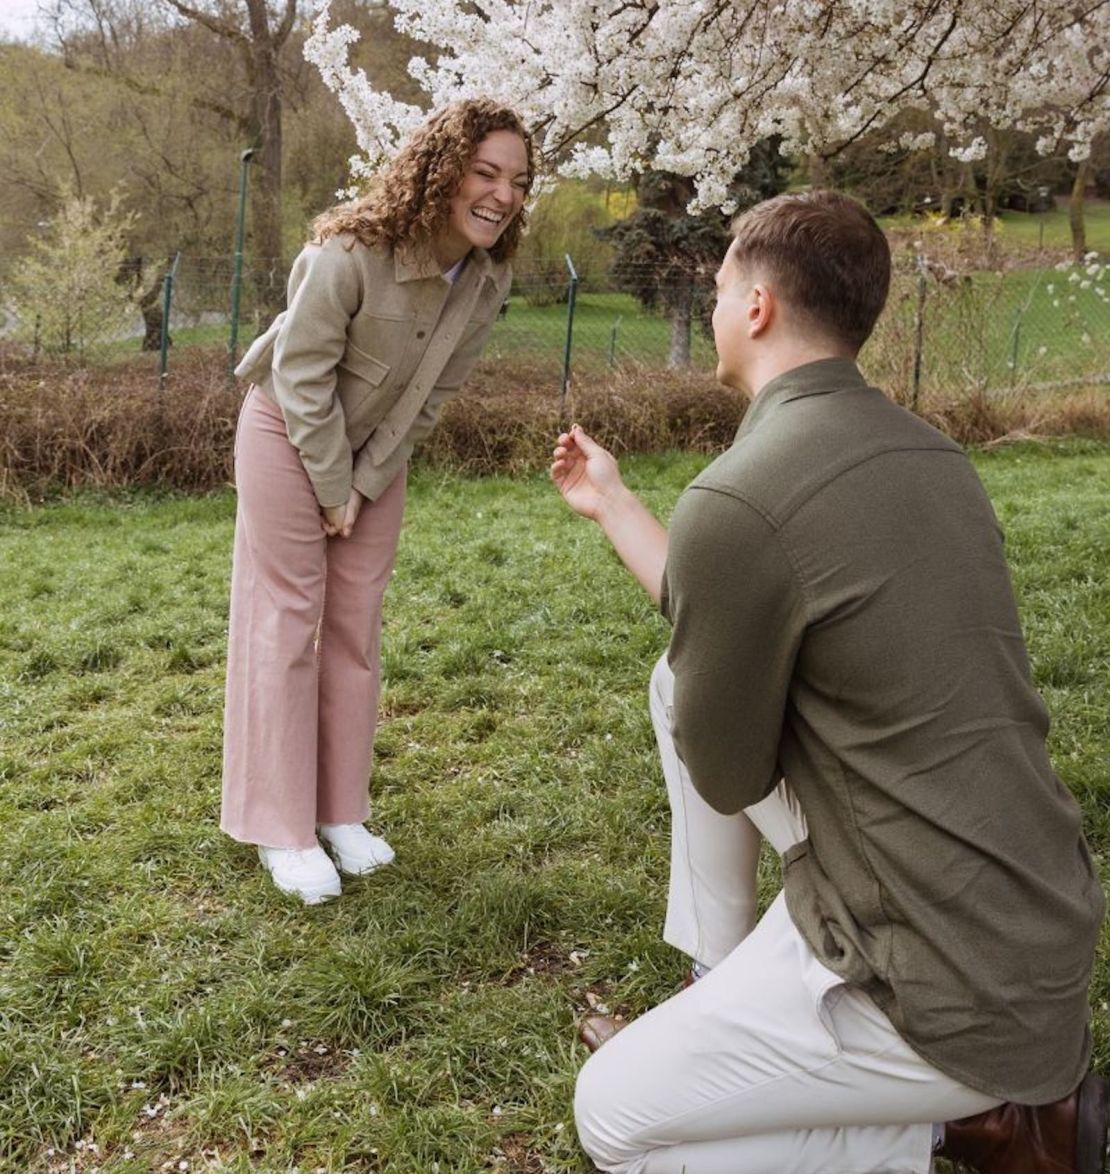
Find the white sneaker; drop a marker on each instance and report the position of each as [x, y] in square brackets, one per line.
[353, 848]
[305, 872]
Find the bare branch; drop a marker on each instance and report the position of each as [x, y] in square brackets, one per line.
[214, 24]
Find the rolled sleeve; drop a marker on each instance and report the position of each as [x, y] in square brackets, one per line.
[325, 293]
[738, 613]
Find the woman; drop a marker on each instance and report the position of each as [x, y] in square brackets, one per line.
[389, 307]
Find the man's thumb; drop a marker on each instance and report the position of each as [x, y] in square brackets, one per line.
[584, 441]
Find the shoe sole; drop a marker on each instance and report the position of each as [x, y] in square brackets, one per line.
[1092, 1113]
[313, 896]
[347, 866]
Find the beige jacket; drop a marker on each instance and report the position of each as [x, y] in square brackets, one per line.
[371, 347]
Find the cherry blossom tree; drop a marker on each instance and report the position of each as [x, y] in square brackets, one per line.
[614, 87]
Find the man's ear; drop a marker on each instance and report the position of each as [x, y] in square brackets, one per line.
[762, 308]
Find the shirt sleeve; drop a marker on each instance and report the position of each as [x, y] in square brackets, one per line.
[738, 612]
[324, 295]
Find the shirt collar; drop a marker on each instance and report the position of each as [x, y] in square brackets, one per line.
[416, 264]
[817, 378]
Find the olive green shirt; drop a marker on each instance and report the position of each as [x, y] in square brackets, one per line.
[843, 617]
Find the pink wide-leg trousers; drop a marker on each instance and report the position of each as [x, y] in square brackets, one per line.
[303, 661]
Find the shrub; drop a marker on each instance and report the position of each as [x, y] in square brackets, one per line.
[110, 427]
[67, 293]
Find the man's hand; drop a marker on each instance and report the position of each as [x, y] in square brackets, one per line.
[590, 482]
[585, 473]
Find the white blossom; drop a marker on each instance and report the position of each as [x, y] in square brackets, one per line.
[692, 86]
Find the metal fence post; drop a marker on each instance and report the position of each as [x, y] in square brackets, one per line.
[1016, 343]
[919, 329]
[572, 292]
[613, 340]
[167, 301]
[237, 275]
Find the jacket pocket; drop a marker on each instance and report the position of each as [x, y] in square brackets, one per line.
[364, 366]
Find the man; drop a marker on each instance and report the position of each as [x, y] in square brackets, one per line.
[847, 678]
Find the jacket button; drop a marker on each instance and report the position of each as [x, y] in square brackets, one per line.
[420, 334]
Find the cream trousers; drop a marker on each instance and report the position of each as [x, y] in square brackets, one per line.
[770, 1064]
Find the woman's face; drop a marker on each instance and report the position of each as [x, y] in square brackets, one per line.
[491, 193]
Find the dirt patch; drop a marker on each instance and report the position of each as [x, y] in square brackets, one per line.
[306, 1062]
[514, 1155]
[543, 960]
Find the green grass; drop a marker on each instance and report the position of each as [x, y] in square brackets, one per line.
[1052, 230]
[159, 999]
[1003, 330]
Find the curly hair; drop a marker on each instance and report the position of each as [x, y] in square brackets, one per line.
[408, 201]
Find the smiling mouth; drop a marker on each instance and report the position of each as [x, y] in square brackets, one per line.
[489, 217]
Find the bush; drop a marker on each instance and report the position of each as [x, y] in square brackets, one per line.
[68, 293]
[110, 427]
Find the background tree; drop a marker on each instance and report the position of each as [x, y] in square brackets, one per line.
[667, 257]
[139, 45]
[566, 219]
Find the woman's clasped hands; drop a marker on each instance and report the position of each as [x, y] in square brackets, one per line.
[339, 520]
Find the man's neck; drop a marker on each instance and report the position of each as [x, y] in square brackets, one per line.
[765, 367]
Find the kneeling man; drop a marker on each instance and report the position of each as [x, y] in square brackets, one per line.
[846, 678]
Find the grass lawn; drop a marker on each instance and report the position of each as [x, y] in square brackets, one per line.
[160, 1002]
[1052, 230]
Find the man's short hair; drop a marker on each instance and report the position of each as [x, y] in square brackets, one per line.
[826, 257]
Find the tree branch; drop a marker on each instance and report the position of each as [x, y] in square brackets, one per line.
[213, 23]
[286, 25]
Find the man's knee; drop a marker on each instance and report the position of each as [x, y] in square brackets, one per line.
[597, 1115]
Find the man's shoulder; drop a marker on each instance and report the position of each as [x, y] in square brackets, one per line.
[807, 442]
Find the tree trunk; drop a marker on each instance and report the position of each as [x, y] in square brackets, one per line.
[266, 195]
[1076, 211]
[680, 337]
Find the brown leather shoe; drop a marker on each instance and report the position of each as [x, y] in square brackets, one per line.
[1066, 1137]
[596, 1030]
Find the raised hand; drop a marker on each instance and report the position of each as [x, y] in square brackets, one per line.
[590, 482]
[586, 474]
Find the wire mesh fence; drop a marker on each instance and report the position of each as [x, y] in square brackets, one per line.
[942, 332]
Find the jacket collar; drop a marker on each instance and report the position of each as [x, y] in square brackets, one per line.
[416, 265]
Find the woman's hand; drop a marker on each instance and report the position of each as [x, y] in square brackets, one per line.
[350, 516]
[331, 519]
[339, 520]
[585, 473]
